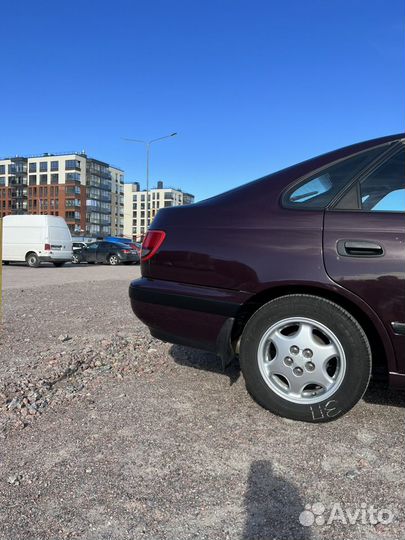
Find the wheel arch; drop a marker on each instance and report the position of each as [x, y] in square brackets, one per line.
[29, 253]
[382, 351]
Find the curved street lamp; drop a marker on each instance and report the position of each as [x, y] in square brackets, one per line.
[148, 145]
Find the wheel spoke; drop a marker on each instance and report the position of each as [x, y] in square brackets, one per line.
[304, 337]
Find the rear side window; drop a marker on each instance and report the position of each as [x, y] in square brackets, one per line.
[317, 191]
[384, 189]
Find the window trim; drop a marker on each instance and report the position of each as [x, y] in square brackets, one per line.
[386, 156]
[390, 146]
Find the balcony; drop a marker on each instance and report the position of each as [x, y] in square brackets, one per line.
[72, 203]
[18, 182]
[19, 195]
[17, 170]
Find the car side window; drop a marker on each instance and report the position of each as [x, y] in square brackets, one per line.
[92, 247]
[384, 189]
[317, 191]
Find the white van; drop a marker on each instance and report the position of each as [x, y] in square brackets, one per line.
[36, 239]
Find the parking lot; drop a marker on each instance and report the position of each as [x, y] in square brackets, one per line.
[108, 433]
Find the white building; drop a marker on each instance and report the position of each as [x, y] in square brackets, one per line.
[135, 219]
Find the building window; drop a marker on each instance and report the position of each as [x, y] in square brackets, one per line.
[33, 179]
[54, 178]
[72, 177]
[2, 169]
[2, 180]
[72, 164]
[43, 166]
[43, 179]
[54, 165]
[32, 167]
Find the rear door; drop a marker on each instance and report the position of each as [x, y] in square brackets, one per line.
[364, 245]
[102, 251]
[91, 252]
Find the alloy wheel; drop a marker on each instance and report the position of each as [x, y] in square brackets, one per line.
[301, 360]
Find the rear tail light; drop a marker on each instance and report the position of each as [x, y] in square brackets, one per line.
[126, 251]
[47, 247]
[153, 241]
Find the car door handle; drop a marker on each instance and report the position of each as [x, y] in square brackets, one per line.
[359, 248]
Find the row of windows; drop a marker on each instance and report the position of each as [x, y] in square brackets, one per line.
[43, 191]
[153, 195]
[44, 166]
[52, 178]
[43, 204]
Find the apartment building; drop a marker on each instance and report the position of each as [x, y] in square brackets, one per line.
[86, 192]
[135, 219]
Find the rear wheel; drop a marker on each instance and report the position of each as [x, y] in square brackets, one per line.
[75, 259]
[113, 260]
[32, 260]
[305, 358]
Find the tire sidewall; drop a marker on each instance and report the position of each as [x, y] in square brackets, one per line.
[34, 258]
[347, 331]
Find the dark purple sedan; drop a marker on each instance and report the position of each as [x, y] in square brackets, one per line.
[300, 273]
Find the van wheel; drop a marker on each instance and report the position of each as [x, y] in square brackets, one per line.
[58, 264]
[113, 260]
[305, 358]
[32, 260]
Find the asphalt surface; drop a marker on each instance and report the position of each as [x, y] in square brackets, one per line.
[106, 433]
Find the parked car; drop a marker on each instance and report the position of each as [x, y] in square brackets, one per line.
[128, 241]
[301, 273]
[78, 245]
[106, 252]
[36, 239]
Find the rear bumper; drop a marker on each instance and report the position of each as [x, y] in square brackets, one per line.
[53, 258]
[130, 258]
[191, 315]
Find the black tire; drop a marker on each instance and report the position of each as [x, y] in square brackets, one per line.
[32, 260]
[113, 260]
[59, 264]
[347, 330]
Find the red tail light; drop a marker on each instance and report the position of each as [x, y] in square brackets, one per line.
[153, 241]
[47, 247]
[126, 251]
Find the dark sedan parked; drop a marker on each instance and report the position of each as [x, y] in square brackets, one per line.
[301, 273]
[106, 252]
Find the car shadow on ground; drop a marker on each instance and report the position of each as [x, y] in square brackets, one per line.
[273, 506]
[186, 356]
[379, 393]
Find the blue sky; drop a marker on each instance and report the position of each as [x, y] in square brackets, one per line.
[250, 86]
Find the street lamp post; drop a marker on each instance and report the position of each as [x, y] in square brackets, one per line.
[147, 146]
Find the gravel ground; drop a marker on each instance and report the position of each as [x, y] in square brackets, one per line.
[106, 433]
